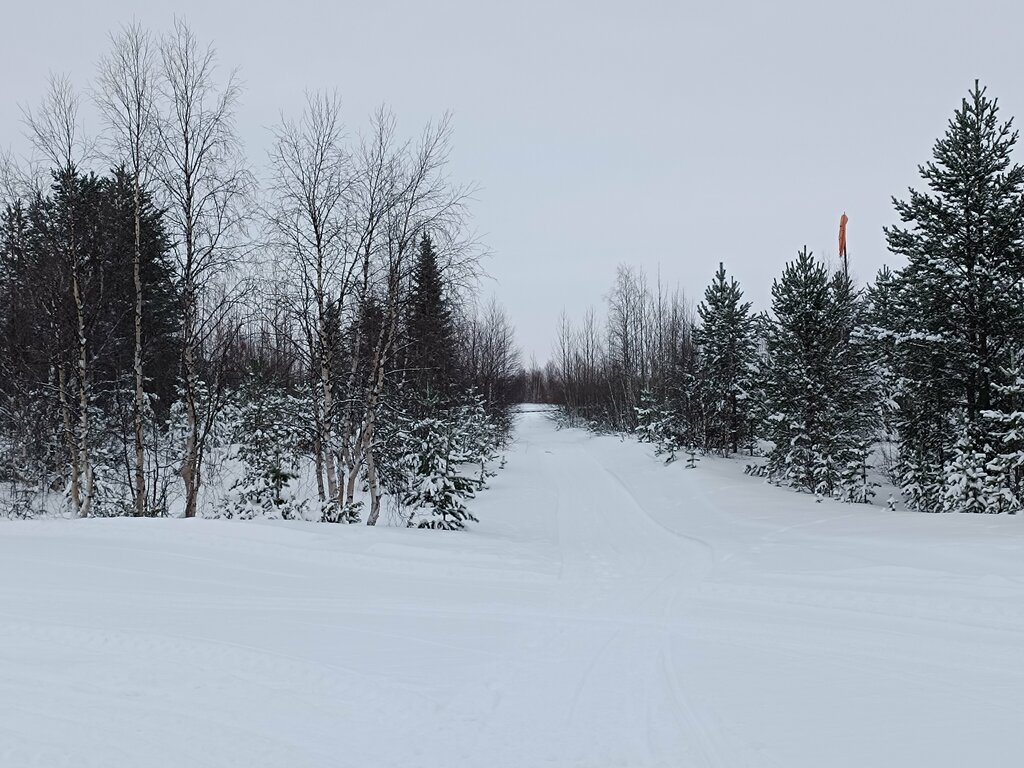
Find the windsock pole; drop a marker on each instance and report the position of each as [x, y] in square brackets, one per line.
[842, 244]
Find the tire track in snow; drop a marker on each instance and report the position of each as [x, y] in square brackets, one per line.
[608, 539]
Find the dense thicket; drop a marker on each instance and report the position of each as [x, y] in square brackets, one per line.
[601, 374]
[67, 296]
[176, 342]
[179, 339]
[89, 216]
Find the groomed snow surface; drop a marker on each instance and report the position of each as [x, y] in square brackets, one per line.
[606, 611]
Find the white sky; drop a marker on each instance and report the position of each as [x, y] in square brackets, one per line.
[666, 134]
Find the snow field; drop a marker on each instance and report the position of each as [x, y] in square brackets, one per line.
[606, 611]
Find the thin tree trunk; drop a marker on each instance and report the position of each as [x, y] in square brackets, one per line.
[70, 442]
[351, 439]
[318, 455]
[190, 463]
[84, 463]
[377, 371]
[350, 487]
[371, 476]
[326, 392]
[319, 435]
[140, 394]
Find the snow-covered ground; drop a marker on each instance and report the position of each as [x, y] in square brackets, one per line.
[606, 611]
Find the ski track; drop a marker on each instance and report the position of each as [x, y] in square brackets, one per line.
[607, 611]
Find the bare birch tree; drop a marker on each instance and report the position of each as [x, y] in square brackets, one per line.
[57, 136]
[127, 99]
[418, 197]
[12, 185]
[206, 183]
[311, 186]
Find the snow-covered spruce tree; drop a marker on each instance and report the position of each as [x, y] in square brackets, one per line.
[969, 486]
[876, 328]
[266, 431]
[431, 347]
[724, 362]
[658, 424]
[437, 477]
[960, 310]
[684, 397]
[985, 471]
[1005, 469]
[479, 435]
[112, 494]
[758, 401]
[817, 390]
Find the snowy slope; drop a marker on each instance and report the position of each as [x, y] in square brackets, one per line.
[607, 611]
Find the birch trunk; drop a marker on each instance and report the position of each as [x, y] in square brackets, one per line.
[377, 375]
[70, 442]
[190, 462]
[327, 394]
[140, 394]
[371, 476]
[84, 459]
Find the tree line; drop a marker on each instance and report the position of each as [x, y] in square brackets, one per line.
[919, 374]
[168, 311]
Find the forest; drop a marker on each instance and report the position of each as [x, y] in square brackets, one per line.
[186, 332]
[461, 385]
[916, 377]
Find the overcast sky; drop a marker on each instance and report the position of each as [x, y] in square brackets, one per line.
[669, 135]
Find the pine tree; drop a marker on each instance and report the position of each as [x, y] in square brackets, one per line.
[725, 357]
[960, 307]
[876, 329]
[818, 398]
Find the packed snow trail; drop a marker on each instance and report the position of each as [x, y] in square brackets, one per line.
[607, 611]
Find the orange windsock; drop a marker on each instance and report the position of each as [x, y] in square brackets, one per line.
[842, 235]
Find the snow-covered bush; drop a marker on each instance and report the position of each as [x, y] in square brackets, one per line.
[980, 477]
[266, 433]
[478, 436]
[969, 485]
[855, 484]
[658, 424]
[433, 458]
[437, 483]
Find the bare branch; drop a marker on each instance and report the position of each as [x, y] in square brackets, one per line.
[54, 127]
[126, 95]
